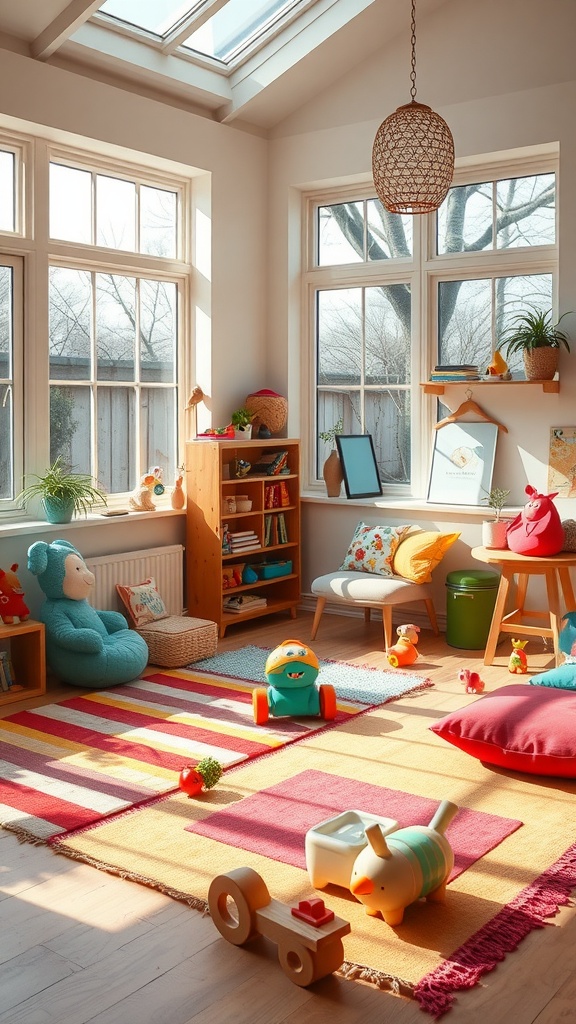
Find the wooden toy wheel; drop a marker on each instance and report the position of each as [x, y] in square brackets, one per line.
[233, 899]
[260, 705]
[392, 658]
[303, 966]
[327, 701]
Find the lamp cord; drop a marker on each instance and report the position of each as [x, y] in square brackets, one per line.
[413, 42]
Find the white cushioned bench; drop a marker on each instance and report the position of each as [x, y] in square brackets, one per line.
[368, 591]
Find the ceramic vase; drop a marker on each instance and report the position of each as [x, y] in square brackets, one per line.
[333, 474]
[57, 511]
[494, 534]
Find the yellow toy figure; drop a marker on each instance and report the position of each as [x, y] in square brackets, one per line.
[518, 663]
[404, 650]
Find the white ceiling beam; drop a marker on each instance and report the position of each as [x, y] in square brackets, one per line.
[55, 34]
[190, 24]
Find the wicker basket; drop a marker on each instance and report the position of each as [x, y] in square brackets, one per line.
[179, 640]
[268, 409]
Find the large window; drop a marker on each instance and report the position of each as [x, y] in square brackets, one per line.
[390, 296]
[103, 343]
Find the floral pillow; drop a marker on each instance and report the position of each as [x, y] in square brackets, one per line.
[372, 549]
[143, 602]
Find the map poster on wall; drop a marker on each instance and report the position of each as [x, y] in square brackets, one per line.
[462, 463]
[562, 462]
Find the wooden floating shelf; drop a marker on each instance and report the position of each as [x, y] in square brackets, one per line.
[551, 387]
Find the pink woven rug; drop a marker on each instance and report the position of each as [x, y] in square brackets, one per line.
[274, 821]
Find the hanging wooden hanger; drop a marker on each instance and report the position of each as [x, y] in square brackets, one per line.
[469, 406]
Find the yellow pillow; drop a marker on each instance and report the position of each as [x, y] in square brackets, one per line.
[419, 553]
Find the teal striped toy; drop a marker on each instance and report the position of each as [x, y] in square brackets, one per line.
[394, 871]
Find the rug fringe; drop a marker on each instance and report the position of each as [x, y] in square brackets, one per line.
[22, 834]
[387, 982]
[132, 876]
[529, 910]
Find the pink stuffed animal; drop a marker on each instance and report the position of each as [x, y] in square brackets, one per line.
[471, 681]
[537, 530]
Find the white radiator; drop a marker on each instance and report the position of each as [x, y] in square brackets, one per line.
[165, 564]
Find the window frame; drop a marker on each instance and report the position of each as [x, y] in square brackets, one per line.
[427, 270]
[38, 252]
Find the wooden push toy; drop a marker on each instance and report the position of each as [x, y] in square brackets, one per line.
[309, 936]
[291, 670]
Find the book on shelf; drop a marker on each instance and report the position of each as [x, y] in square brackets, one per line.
[240, 534]
[456, 368]
[282, 531]
[243, 603]
[4, 684]
[446, 378]
[7, 670]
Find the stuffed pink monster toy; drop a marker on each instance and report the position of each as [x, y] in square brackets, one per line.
[537, 530]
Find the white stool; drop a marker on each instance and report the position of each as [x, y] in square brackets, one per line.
[368, 590]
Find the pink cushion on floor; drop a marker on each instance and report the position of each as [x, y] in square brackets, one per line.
[524, 728]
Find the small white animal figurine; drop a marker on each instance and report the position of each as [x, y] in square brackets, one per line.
[396, 870]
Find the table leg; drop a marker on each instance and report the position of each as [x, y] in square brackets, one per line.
[497, 615]
[554, 607]
[521, 592]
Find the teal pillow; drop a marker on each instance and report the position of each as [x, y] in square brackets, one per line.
[563, 677]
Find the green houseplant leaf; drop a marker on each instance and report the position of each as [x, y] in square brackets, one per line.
[64, 488]
[534, 329]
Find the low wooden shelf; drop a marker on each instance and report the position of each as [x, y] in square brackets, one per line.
[26, 644]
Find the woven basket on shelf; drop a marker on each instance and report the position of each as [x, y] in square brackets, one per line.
[179, 640]
[268, 409]
[540, 363]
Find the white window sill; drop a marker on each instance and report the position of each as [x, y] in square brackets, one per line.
[410, 506]
[25, 526]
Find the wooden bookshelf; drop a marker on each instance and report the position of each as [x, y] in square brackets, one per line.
[211, 487]
[26, 646]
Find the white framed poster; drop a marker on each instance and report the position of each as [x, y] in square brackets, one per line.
[462, 463]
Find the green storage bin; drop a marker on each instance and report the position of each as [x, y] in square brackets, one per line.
[471, 596]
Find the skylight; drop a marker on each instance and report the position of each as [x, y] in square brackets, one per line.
[225, 35]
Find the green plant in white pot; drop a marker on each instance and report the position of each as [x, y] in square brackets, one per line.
[242, 423]
[62, 493]
[538, 339]
[494, 530]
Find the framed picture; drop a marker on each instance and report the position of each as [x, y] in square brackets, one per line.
[462, 463]
[358, 458]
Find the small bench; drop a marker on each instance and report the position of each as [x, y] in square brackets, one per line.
[368, 591]
[178, 640]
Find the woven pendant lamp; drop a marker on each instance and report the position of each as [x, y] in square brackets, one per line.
[413, 154]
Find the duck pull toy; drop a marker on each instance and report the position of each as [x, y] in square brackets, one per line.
[404, 652]
[309, 936]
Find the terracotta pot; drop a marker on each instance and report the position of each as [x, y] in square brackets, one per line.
[333, 474]
[540, 363]
[494, 534]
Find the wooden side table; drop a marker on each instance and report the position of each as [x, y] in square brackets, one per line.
[556, 570]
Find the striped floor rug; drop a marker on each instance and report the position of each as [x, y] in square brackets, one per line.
[69, 764]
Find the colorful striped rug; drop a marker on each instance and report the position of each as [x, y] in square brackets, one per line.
[69, 764]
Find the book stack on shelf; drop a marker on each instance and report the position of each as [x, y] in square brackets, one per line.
[241, 603]
[7, 678]
[244, 540]
[275, 531]
[455, 372]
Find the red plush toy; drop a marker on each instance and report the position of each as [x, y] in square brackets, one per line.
[471, 681]
[537, 530]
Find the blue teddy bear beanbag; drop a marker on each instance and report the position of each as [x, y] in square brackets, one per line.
[84, 647]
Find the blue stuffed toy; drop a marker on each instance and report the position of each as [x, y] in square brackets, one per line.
[84, 647]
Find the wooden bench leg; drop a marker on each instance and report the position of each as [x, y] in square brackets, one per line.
[320, 606]
[387, 624]
[432, 615]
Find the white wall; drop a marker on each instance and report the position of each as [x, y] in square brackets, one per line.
[502, 75]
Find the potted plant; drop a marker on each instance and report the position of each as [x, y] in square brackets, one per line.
[539, 339]
[242, 423]
[332, 469]
[494, 530]
[62, 493]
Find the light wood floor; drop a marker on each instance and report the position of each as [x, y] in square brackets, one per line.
[78, 945]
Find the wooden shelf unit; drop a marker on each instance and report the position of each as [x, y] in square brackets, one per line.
[26, 644]
[431, 387]
[210, 480]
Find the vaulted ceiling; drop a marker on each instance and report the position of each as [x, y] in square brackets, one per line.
[278, 57]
